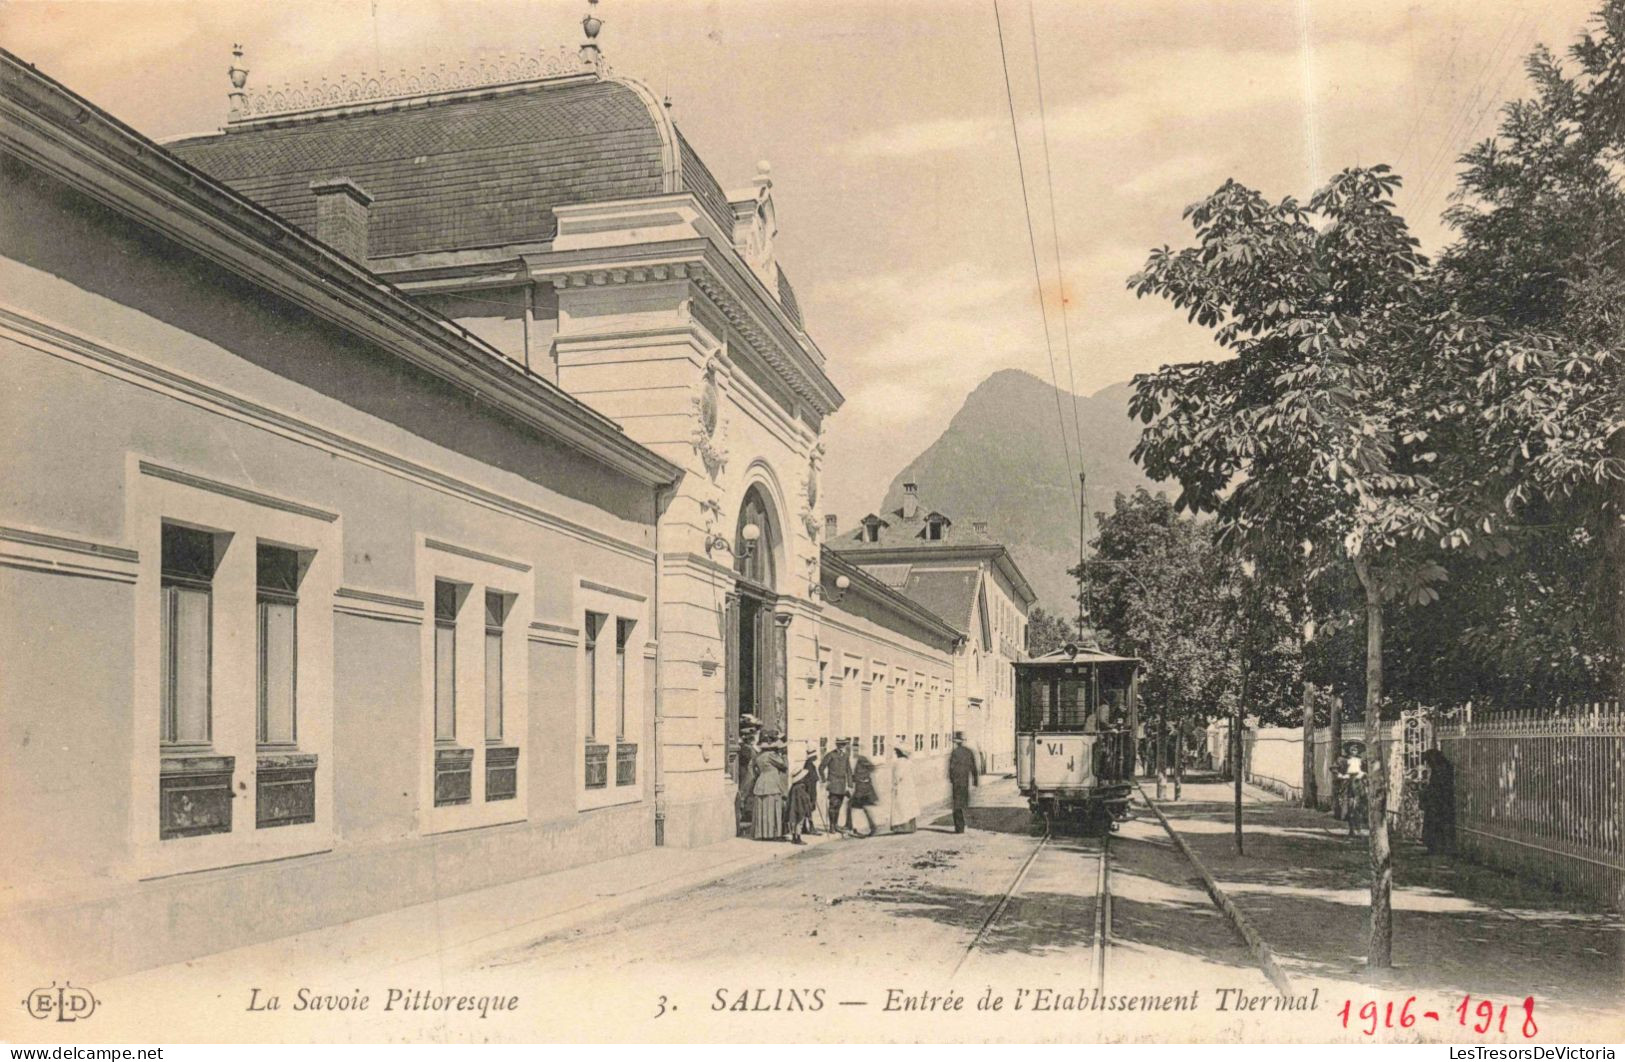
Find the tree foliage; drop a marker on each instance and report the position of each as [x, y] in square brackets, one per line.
[1162, 591]
[1048, 631]
[1530, 318]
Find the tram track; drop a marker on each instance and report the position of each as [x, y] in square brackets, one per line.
[1102, 916]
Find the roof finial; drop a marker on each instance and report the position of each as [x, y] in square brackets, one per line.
[238, 73]
[590, 25]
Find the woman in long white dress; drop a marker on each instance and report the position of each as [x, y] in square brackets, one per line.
[905, 804]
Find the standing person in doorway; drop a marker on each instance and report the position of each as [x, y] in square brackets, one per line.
[962, 774]
[837, 772]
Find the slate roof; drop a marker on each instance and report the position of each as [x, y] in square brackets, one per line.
[951, 595]
[463, 173]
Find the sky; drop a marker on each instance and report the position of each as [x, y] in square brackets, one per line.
[888, 128]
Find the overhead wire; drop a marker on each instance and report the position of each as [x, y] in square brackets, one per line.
[1055, 237]
[1066, 328]
[1032, 244]
[1465, 123]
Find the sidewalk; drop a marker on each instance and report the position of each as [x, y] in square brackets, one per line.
[432, 939]
[1458, 927]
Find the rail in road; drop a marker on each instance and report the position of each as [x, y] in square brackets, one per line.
[1095, 862]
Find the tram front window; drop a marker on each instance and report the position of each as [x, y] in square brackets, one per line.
[1074, 700]
[1034, 701]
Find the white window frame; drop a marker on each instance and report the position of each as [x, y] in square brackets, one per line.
[480, 567]
[615, 606]
[249, 516]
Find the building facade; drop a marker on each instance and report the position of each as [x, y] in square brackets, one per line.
[407, 495]
[301, 584]
[561, 215]
[964, 577]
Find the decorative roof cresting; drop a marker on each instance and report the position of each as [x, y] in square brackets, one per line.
[348, 91]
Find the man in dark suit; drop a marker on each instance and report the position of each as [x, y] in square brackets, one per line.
[962, 774]
[837, 772]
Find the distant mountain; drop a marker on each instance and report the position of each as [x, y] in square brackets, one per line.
[1001, 460]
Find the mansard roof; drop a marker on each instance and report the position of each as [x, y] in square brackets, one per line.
[471, 169]
[71, 139]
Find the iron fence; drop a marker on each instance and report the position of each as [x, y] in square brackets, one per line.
[1543, 794]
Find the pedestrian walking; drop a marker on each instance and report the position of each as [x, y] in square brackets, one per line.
[837, 772]
[905, 804]
[864, 795]
[1438, 804]
[768, 790]
[962, 774]
[803, 798]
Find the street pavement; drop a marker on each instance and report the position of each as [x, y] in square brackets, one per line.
[869, 940]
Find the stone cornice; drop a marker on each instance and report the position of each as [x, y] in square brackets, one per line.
[84, 147]
[734, 290]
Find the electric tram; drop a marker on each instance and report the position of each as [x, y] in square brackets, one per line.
[1077, 713]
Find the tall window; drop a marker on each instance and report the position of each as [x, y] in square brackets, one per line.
[277, 578]
[496, 611]
[753, 557]
[595, 624]
[623, 635]
[188, 565]
[445, 661]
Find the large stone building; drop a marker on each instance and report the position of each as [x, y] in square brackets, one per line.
[405, 495]
[966, 578]
[560, 215]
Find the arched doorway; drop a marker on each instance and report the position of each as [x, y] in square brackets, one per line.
[757, 690]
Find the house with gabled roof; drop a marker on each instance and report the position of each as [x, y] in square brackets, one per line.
[961, 574]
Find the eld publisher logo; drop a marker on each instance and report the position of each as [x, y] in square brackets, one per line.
[64, 1003]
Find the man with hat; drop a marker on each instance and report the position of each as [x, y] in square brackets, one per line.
[837, 773]
[962, 774]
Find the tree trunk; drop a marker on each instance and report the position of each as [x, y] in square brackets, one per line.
[1334, 742]
[1614, 545]
[1179, 761]
[1308, 745]
[1162, 747]
[1237, 768]
[1379, 952]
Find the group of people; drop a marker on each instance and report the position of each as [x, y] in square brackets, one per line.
[783, 805]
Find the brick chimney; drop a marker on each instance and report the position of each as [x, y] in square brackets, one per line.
[980, 526]
[911, 500]
[342, 216]
[831, 527]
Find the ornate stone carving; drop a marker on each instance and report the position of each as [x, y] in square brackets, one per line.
[708, 431]
[810, 518]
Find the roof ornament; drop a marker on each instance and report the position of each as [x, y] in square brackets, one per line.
[239, 78]
[591, 57]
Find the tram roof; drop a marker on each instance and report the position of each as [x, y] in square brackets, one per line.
[1080, 654]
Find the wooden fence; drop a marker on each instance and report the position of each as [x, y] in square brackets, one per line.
[1543, 794]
